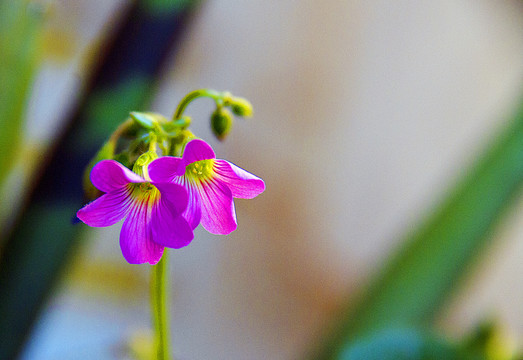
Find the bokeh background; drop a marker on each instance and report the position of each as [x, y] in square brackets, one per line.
[365, 113]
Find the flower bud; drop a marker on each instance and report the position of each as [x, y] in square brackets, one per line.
[241, 107]
[142, 163]
[221, 122]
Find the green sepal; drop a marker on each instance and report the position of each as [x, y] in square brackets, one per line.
[177, 124]
[147, 120]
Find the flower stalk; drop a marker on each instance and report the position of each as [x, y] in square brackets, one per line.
[176, 183]
[193, 95]
[159, 308]
[239, 106]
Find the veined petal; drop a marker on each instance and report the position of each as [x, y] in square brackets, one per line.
[168, 227]
[136, 238]
[107, 210]
[197, 150]
[218, 214]
[166, 168]
[108, 175]
[175, 194]
[193, 213]
[242, 184]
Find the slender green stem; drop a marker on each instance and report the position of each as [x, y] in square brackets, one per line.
[122, 128]
[215, 95]
[159, 308]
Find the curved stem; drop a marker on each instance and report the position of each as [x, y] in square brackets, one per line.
[215, 95]
[123, 127]
[159, 308]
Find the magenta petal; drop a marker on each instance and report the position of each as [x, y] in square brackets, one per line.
[107, 209]
[193, 213]
[218, 214]
[175, 194]
[166, 169]
[110, 175]
[136, 237]
[242, 184]
[169, 229]
[197, 150]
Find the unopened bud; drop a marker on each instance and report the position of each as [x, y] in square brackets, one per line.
[241, 107]
[142, 163]
[221, 123]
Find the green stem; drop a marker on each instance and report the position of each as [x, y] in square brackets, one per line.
[193, 95]
[159, 308]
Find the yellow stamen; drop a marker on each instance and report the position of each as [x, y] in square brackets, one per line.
[200, 170]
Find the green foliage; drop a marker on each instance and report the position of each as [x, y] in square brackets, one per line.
[490, 341]
[20, 49]
[413, 285]
[107, 105]
[405, 344]
[24, 282]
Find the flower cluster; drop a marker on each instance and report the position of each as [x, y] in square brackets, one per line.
[165, 198]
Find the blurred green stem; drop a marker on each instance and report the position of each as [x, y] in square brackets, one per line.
[159, 307]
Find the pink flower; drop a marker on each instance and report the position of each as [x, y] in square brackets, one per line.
[211, 184]
[152, 212]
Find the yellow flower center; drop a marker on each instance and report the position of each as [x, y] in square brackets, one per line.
[144, 192]
[200, 170]
[145, 187]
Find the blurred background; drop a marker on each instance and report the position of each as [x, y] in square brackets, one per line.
[366, 113]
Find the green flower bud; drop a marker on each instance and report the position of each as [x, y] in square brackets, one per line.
[241, 107]
[221, 122]
[141, 164]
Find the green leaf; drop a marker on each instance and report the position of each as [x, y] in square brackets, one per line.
[20, 49]
[415, 282]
